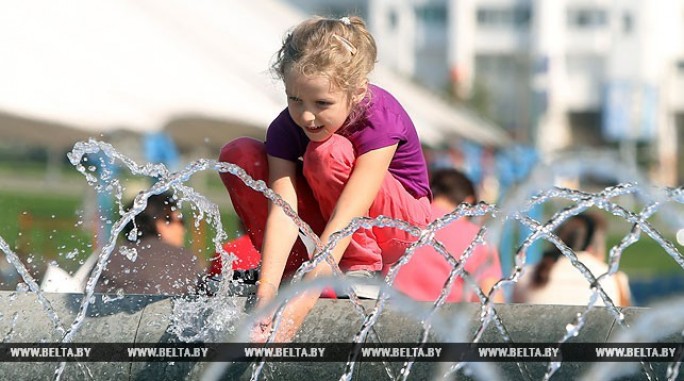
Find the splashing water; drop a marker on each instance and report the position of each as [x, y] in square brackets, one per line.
[207, 319]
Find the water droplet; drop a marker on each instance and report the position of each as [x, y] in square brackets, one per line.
[680, 237]
[72, 254]
[129, 252]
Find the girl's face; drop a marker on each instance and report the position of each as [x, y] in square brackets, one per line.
[315, 105]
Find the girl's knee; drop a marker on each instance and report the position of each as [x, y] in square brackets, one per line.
[336, 152]
[243, 152]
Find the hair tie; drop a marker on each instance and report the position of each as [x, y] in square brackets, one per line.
[346, 43]
[346, 21]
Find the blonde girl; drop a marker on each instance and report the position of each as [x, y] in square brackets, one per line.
[343, 148]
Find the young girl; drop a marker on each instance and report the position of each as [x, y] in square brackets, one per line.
[342, 149]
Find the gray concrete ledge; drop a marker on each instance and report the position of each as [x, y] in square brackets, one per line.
[145, 319]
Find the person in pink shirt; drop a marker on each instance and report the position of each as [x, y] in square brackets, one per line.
[424, 276]
[343, 148]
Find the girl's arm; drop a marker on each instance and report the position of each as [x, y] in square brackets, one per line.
[364, 183]
[280, 232]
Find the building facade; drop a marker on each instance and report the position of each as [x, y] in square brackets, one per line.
[560, 73]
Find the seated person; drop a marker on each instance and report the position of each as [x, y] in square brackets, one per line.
[424, 276]
[155, 262]
[554, 280]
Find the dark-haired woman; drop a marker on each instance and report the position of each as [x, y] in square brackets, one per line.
[555, 280]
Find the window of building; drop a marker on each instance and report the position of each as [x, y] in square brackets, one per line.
[587, 18]
[515, 17]
[586, 65]
[392, 19]
[435, 14]
[680, 66]
[627, 23]
[431, 28]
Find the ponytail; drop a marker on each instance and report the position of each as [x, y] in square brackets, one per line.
[578, 233]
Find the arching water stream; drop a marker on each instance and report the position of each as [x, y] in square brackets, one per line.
[206, 319]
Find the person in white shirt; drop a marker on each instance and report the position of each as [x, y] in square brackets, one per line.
[555, 280]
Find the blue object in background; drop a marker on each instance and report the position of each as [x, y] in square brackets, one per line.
[472, 154]
[630, 111]
[107, 172]
[160, 148]
[648, 291]
[514, 165]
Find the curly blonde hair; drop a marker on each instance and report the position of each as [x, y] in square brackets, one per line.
[342, 50]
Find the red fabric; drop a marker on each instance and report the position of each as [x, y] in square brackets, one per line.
[424, 276]
[252, 206]
[247, 256]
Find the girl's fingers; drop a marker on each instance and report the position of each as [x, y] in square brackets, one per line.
[260, 334]
[261, 330]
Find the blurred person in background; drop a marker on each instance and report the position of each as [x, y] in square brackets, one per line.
[424, 276]
[554, 280]
[155, 261]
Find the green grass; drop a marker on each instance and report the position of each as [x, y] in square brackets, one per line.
[646, 258]
[51, 227]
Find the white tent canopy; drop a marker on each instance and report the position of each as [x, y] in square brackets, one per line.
[111, 64]
[139, 64]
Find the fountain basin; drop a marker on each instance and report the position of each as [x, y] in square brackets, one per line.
[145, 319]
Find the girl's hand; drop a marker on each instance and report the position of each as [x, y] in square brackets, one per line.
[262, 330]
[266, 293]
[293, 316]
